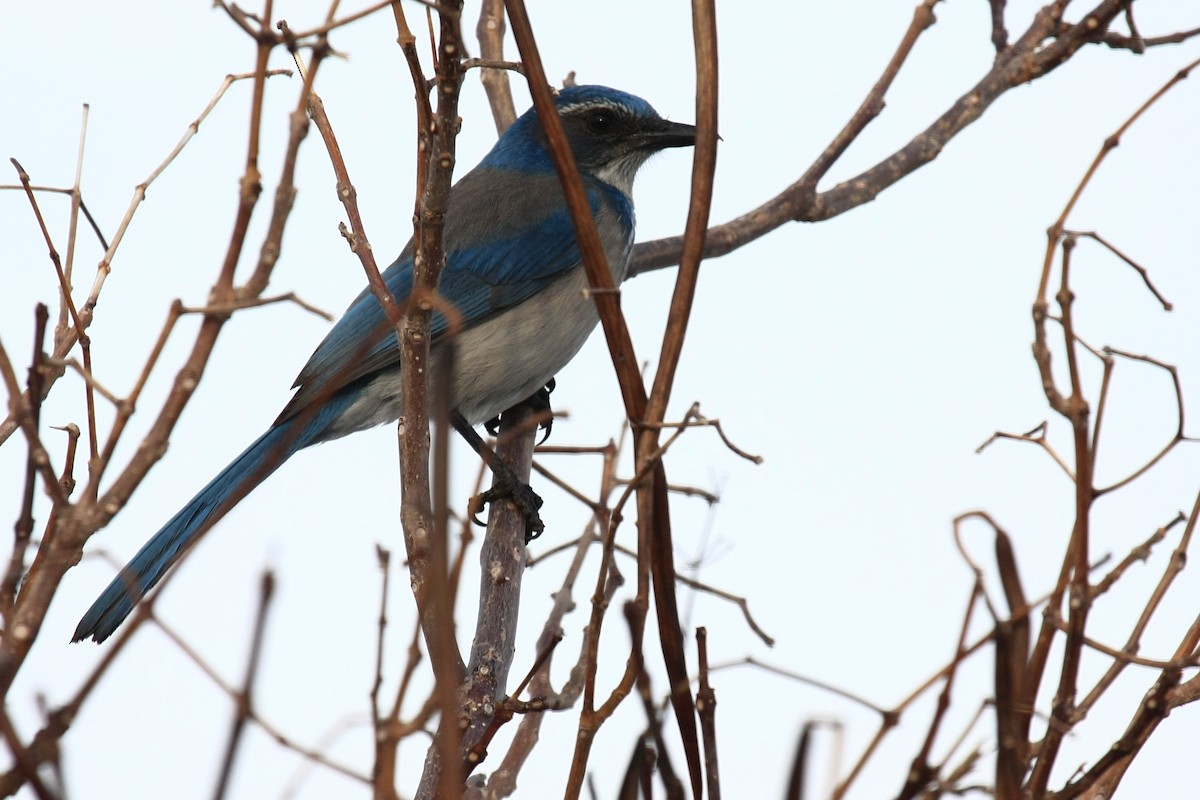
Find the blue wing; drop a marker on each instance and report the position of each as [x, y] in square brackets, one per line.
[481, 279]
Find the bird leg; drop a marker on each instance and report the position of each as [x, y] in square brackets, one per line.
[505, 484]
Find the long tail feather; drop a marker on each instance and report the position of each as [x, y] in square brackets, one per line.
[223, 492]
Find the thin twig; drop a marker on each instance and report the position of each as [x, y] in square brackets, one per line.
[245, 697]
[706, 707]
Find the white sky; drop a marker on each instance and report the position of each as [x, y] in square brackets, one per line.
[865, 358]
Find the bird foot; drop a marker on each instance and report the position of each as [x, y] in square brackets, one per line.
[506, 486]
[538, 403]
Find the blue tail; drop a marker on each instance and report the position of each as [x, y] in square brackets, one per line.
[223, 492]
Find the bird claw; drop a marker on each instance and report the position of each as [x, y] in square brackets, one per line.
[537, 402]
[527, 501]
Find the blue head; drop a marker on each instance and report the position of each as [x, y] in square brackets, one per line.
[611, 134]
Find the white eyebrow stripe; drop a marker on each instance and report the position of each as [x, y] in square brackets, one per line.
[590, 104]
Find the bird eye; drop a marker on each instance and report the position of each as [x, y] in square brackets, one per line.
[601, 121]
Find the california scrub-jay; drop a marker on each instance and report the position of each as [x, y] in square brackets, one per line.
[513, 272]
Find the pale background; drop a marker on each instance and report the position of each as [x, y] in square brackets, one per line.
[865, 358]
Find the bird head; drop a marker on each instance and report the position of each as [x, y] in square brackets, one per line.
[611, 134]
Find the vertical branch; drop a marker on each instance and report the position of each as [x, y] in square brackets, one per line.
[1011, 660]
[920, 772]
[652, 500]
[251, 183]
[23, 529]
[1103, 777]
[490, 32]
[1075, 564]
[442, 776]
[1073, 576]
[77, 324]
[423, 518]
[383, 775]
[502, 564]
[24, 621]
[706, 706]
[654, 538]
[408, 46]
[503, 778]
[1072, 579]
[704, 165]
[245, 702]
[616, 332]
[590, 718]
[76, 205]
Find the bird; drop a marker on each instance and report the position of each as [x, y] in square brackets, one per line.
[513, 273]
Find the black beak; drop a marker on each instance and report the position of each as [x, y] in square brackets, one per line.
[669, 134]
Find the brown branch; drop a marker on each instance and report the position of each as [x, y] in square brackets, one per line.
[920, 772]
[256, 302]
[1021, 62]
[1106, 773]
[145, 612]
[76, 207]
[1175, 439]
[846, 694]
[891, 717]
[653, 519]
[331, 25]
[502, 560]
[74, 524]
[245, 700]
[704, 166]
[357, 237]
[1141, 271]
[67, 338]
[1139, 553]
[424, 523]
[67, 479]
[64, 286]
[706, 707]
[504, 779]
[999, 32]
[1073, 575]
[188, 377]
[694, 419]
[1139, 45]
[1174, 566]
[384, 774]
[569, 489]
[1111, 143]
[1036, 436]
[424, 530]
[23, 529]
[1123, 658]
[43, 747]
[510, 706]
[1011, 638]
[25, 618]
[494, 75]
[26, 763]
[600, 279]
[741, 602]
